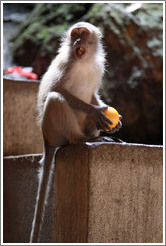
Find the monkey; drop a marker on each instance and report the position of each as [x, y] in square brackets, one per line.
[69, 106]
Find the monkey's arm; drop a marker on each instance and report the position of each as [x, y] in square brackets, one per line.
[97, 101]
[96, 111]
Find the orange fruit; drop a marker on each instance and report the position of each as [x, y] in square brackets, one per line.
[113, 116]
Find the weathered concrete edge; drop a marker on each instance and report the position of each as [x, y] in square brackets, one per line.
[27, 156]
[20, 80]
[123, 144]
[89, 145]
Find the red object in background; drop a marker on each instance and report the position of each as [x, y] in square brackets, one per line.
[22, 71]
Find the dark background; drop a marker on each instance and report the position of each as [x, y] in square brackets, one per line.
[133, 36]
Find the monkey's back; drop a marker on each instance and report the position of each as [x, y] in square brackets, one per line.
[52, 76]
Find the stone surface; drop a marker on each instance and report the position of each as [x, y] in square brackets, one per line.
[124, 194]
[21, 132]
[104, 193]
[20, 183]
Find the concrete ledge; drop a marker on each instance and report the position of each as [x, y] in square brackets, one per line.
[20, 183]
[104, 193]
[108, 193]
[21, 131]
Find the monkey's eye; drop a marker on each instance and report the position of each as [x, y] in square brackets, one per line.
[74, 34]
[84, 34]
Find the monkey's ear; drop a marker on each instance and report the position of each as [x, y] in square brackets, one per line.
[99, 33]
[64, 36]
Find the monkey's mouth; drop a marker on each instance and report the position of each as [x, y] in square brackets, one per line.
[80, 51]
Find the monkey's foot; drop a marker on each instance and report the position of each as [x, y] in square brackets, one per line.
[108, 135]
[100, 139]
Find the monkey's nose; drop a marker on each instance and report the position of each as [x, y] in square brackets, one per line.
[78, 41]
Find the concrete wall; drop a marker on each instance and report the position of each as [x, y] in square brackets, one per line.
[104, 193]
[21, 132]
[119, 187]
[125, 194]
[20, 183]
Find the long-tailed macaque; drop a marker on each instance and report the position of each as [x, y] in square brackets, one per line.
[70, 109]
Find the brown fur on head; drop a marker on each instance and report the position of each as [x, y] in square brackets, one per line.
[83, 38]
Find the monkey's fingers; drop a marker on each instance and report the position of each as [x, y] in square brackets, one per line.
[111, 132]
[120, 117]
[103, 108]
[117, 128]
[105, 125]
[99, 124]
[114, 130]
[107, 119]
[119, 125]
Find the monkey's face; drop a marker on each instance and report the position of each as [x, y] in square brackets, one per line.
[81, 40]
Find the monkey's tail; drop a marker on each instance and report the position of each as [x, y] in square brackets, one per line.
[43, 191]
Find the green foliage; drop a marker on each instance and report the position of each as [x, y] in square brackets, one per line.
[47, 21]
[136, 35]
[150, 15]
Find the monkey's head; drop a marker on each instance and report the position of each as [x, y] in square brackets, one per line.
[84, 39]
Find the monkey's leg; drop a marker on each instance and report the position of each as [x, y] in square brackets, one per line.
[90, 129]
[106, 135]
[43, 190]
[60, 125]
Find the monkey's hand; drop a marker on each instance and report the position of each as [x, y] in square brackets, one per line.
[119, 125]
[115, 129]
[101, 120]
